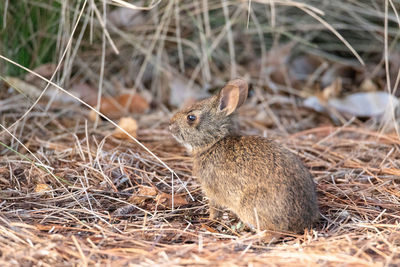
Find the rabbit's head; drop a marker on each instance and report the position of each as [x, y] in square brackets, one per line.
[208, 121]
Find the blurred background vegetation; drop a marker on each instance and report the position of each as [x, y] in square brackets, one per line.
[322, 76]
[177, 50]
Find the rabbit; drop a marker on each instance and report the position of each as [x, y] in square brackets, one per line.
[264, 184]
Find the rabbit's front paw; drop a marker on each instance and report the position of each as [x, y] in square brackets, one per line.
[215, 211]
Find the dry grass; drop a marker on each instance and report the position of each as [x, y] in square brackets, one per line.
[87, 217]
[81, 197]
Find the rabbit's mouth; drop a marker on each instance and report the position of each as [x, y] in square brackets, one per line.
[188, 147]
[176, 134]
[179, 137]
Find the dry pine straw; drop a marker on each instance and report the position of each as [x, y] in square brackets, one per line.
[88, 215]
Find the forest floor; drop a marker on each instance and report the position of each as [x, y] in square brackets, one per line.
[89, 198]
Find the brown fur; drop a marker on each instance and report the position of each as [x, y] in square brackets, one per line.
[264, 184]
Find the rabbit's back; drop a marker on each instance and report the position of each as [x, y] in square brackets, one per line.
[266, 185]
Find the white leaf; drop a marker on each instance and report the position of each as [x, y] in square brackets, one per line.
[364, 104]
[368, 104]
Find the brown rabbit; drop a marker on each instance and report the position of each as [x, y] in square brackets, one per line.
[264, 184]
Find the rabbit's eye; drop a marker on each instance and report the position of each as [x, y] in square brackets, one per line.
[191, 118]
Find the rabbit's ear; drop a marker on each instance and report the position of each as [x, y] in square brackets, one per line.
[232, 95]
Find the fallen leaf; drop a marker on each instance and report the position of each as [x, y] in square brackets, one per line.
[166, 200]
[23, 87]
[147, 191]
[126, 17]
[42, 188]
[368, 104]
[111, 108]
[45, 70]
[179, 91]
[33, 91]
[85, 92]
[128, 124]
[279, 54]
[136, 103]
[116, 107]
[314, 103]
[273, 68]
[276, 63]
[363, 104]
[300, 68]
[144, 192]
[208, 228]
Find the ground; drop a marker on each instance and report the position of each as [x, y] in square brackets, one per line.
[104, 200]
